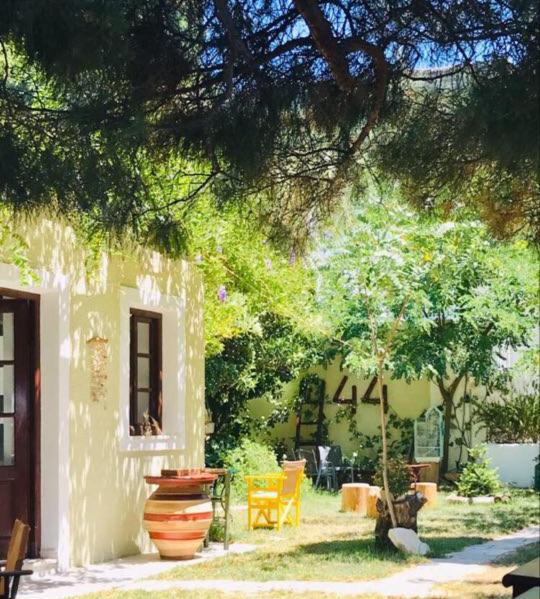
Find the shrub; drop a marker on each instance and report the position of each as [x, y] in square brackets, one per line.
[217, 532]
[477, 477]
[515, 419]
[399, 479]
[250, 457]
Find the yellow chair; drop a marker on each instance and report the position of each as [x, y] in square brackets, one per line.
[279, 493]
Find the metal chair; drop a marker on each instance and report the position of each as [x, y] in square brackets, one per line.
[327, 469]
[332, 467]
[220, 496]
[308, 454]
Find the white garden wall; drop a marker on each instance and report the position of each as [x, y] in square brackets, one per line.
[515, 462]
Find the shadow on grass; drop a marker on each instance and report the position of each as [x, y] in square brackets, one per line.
[350, 550]
[442, 546]
[365, 549]
[500, 521]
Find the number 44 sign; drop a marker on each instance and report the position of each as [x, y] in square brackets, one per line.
[366, 398]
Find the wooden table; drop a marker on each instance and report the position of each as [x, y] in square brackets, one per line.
[523, 578]
[414, 471]
[220, 494]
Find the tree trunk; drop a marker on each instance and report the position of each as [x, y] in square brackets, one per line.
[386, 491]
[448, 405]
[447, 394]
[405, 510]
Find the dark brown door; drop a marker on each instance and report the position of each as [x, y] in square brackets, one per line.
[17, 435]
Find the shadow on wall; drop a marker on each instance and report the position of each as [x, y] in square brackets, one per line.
[106, 486]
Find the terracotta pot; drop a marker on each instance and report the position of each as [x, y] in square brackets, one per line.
[178, 514]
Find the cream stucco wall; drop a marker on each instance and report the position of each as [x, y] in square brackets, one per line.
[407, 400]
[105, 483]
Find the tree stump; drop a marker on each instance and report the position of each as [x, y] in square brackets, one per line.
[354, 497]
[406, 509]
[429, 490]
[374, 494]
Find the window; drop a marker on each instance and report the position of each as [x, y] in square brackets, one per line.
[145, 370]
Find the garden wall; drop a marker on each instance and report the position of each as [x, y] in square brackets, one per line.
[407, 400]
[515, 462]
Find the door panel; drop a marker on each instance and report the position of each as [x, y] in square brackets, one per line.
[17, 460]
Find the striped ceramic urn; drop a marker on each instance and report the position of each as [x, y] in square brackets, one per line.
[178, 514]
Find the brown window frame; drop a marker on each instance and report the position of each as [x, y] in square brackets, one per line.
[155, 404]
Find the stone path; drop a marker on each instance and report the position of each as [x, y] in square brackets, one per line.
[414, 582]
[113, 574]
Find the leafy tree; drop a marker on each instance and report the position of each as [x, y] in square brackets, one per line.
[481, 299]
[471, 142]
[254, 364]
[271, 102]
[245, 277]
[372, 291]
[421, 299]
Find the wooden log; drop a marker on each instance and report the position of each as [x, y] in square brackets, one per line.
[429, 490]
[354, 497]
[374, 494]
[406, 509]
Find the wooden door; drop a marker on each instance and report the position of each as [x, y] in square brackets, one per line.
[17, 422]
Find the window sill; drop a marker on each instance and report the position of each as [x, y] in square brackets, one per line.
[153, 443]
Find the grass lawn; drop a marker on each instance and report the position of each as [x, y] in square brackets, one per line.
[485, 586]
[330, 545]
[335, 546]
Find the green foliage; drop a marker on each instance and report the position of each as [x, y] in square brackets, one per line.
[244, 276]
[477, 477]
[479, 152]
[514, 418]
[399, 479]
[13, 248]
[216, 531]
[249, 457]
[464, 297]
[400, 439]
[371, 276]
[93, 94]
[254, 365]
[480, 297]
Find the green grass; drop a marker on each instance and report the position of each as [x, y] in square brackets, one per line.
[451, 527]
[330, 545]
[520, 556]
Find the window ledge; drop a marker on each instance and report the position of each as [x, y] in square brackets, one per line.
[153, 443]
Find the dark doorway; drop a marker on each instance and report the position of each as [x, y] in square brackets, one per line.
[19, 416]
